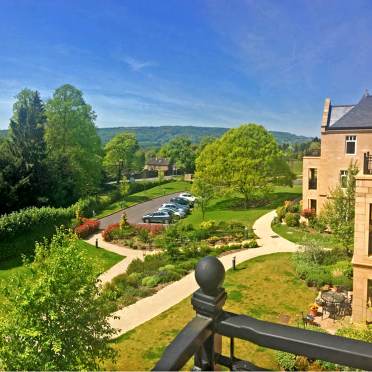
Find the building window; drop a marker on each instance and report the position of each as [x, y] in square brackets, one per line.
[350, 145]
[343, 179]
[369, 294]
[313, 178]
[312, 204]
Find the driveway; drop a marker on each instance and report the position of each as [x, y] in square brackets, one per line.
[136, 212]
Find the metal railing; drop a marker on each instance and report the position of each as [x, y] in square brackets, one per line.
[367, 164]
[202, 337]
[314, 152]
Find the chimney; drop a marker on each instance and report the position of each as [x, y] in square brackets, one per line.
[325, 116]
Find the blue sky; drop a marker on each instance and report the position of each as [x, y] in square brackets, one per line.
[190, 62]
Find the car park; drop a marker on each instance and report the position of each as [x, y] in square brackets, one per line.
[181, 201]
[157, 217]
[174, 213]
[176, 207]
[186, 195]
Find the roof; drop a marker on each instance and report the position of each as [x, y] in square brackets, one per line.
[357, 116]
[157, 161]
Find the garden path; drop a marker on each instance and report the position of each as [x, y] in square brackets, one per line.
[120, 267]
[143, 310]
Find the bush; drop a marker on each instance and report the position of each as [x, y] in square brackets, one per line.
[151, 281]
[109, 233]
[308, 213]
[250, 244]
[152, 228]
[276, 221]
[292, 206]
[208, 225]
[280, 213]
[286, 361]
[292, 219]
[87, 228]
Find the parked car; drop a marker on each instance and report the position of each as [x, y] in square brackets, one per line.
[157, 217]
[186, 195]
[175, 208]
[181, 201]
[176, 215]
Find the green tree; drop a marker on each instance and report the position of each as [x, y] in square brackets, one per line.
[74, 148]
[55, 318]
[339, 211]
[246, 160]
[181, 153]
[24, 150]
[205, 193]
[120, 155]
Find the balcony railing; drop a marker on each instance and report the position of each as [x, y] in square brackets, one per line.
[313, 183]
[202, 337]
[314, 152]
[367, 168]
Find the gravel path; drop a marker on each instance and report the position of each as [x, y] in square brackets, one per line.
[143, 310]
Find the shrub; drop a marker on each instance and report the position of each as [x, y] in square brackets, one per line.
[286, 361]
[109, 232]
[292, 206]
[250, 244]
[292, 219]
[208, 225]
[276, 221]
[281, 212]
[86, 228]
[308, 213]
[152, 228]
[151, 281]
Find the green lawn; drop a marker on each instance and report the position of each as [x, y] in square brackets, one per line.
[103, 258]
[142, 196]
[230, 208]
[266, 288]
[301, 236]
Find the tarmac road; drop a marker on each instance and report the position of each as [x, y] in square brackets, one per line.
[136, 212]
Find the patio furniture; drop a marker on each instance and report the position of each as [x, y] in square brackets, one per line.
[332, 303]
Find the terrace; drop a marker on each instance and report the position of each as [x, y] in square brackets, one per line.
[203, 335]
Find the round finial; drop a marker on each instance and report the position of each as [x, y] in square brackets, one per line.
[209, 274]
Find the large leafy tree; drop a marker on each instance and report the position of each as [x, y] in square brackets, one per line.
[246, 160]
[24, 150]
[122, 155]
[73, 146]
[181, 153]
[55, 318]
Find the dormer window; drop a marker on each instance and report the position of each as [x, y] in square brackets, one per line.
[350, 145]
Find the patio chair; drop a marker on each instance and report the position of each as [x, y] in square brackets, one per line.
[331, 309]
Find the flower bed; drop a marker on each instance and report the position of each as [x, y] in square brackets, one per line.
[86, 228]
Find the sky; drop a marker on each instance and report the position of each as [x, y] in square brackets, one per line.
[190, 62]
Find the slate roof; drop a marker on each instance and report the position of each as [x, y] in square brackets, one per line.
[357, 116]
[157, 161]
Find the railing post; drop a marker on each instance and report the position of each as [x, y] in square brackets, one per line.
[208, 302]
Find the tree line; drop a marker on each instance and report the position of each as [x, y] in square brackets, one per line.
[52, 154]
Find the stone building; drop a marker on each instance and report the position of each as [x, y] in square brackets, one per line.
[346, 135]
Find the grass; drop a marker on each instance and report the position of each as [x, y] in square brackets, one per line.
[301, 236]
[104, 260]
[265, 287]
[142, 196]
[230, 208]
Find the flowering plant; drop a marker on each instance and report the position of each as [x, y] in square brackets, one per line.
[86, 228]
[314, 307]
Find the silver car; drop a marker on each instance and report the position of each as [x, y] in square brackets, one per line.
[182, 212]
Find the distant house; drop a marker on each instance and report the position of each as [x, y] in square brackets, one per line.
[157, 164]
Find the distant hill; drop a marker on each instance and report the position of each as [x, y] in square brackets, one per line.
[157, 136]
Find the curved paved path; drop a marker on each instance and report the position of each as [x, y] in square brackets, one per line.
[143, 310]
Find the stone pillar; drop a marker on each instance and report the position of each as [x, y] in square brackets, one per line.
[362, 261]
